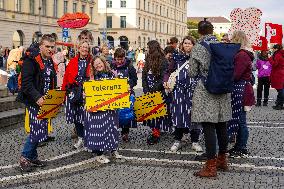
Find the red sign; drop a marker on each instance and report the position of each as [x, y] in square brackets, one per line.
[262, 44]
[73, 20]
[273, 33]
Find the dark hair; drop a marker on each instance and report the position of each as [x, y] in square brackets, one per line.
[262, 55]
[154, 58]
[205, 27]
[169, 49]
[86, 33]
[188, 38]
[47, 37]
[119, 53]
[173, 40]
[277, 47]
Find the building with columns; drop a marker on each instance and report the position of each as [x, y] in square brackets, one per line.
[20, 19]
[135, 22]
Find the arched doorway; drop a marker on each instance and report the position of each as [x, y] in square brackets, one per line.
[123, 42]
[110, 41]
[18, 38]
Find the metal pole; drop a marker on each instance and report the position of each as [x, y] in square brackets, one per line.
[39, 17]
[175, 17]
[106, 25]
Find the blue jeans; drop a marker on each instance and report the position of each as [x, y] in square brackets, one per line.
[243, 133]
[79, 129]
[30, 149]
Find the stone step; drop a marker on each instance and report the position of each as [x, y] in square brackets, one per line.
[4, 91]
[12, 117]
[9, 103]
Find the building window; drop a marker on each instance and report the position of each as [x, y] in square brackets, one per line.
[43, 7]
[74, 7]
[144, 24]
[18, 5]
[123, 22]
[65, 7]
[109, 3]
[138, 4]
[109, 21]
[55, 8]
[160, 10]
[139, 22]
[167, 28]
[123, 3]
[91, 13]
[144, 5]
[1, 4]
[148, 24]
[83, 8]
[148, 6]
[32, 6]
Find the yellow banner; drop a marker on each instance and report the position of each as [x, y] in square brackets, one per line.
[52, 103]
[150, 106]
[106, 94]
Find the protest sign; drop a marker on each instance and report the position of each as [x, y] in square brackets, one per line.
[150, 106]
[52, 103]
[106, 94]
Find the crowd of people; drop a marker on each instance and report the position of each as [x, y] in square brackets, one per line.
[191, 108]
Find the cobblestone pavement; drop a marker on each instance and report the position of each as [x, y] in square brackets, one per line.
[144, 166]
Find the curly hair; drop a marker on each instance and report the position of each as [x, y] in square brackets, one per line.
[154, 58]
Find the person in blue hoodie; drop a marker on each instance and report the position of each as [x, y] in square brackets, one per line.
[123, 68]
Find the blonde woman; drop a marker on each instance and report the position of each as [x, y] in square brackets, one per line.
[242, 95]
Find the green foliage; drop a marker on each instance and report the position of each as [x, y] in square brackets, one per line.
[192, 25]
[194, 33]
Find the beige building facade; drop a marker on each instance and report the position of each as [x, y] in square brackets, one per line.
[20, 20]
[135, 22]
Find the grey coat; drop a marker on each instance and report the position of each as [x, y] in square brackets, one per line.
[206, 107]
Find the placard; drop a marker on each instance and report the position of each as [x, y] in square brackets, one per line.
[52, 103]
[106, 94]
[150, 106]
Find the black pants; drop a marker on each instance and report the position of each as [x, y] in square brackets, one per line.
[194, 134]
[210, 131]
[124, 131]
[263, 83]
[280, 97]
[79, 129]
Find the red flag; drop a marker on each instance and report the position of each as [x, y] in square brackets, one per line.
[273, 33]
[262, 44]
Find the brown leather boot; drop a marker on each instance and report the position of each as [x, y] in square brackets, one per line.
[222, 162]
[209, 170]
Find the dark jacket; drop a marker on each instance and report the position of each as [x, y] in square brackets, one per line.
[159, 82]
[127, 70]
[32, 88]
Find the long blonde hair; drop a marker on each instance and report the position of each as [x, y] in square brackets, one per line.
[241, 37]
[106, 64]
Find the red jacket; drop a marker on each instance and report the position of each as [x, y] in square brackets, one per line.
[72, 71]
[277, 72]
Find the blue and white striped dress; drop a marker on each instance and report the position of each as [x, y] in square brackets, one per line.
[101, 128]
[237, 107]
[75, 113]
[38, 128]
[182, 95]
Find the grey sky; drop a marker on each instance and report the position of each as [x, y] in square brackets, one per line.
[273, 10]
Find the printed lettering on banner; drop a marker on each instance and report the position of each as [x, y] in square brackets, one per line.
[106, 94]
[150, 106]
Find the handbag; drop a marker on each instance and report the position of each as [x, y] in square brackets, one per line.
[173, 77]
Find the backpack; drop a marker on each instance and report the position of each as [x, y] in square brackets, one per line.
[221, 70]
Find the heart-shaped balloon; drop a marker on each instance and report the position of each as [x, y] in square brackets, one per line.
[248, 21]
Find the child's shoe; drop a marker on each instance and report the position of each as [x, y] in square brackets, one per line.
[102, 159]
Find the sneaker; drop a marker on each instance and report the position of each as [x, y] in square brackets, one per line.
[244, 153]
[125, 138]
[196, 147]
[79, 144]
[278, 107]
[102, 159]
[151, 140]
[235, 153]
[185, 138]
[265, 103]
[25, 165]
[176, 146]
[38, 163]
[116, 155]
[88, 150]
